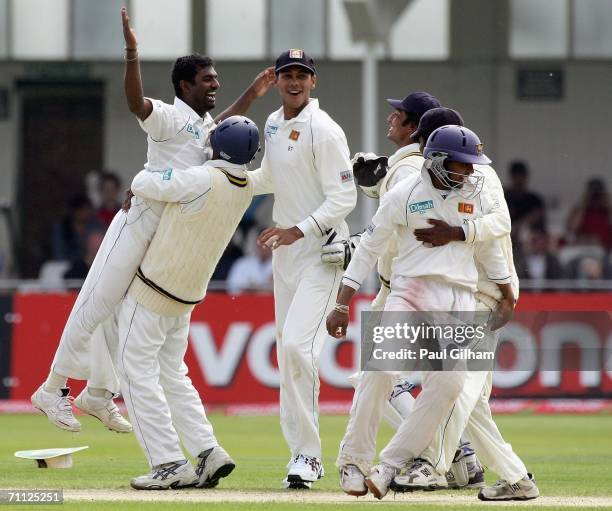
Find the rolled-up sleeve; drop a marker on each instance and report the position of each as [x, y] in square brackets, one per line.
[335, 173]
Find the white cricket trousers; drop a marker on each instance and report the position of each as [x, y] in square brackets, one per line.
[305, 292]
[358, 447]
[81, 354]
[472, 414]
[160, 398]
[440, 389]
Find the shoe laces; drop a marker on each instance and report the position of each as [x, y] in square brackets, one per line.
[113, 410]
[64, 404]
[416, 464]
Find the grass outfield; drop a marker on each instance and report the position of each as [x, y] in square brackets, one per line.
[570, 455]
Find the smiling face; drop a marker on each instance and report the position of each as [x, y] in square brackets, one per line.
[400, 130]
[294, 85]
[201, 93]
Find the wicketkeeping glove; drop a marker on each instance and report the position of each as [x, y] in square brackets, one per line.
[339, 253]
[369, 169]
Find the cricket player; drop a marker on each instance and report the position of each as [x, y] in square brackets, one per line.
[205, 206]
[427, 278]
[472, 413]
[177, 138]
[306, 165]
[358, 446]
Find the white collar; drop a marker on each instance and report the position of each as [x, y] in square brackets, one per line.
[233, 168]
[181, 105]
[402, 152]
[303, 116]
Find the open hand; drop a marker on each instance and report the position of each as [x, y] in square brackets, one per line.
[440, 233]
[128, 32]
[263, 82]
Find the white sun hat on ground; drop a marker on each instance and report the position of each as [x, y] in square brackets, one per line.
[51, 458]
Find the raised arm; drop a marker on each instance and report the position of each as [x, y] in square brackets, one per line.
[262, 83]
[137, 103]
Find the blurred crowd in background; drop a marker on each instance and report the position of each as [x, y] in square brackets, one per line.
[78, 234]
[579, 249]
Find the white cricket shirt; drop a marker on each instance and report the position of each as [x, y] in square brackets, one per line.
[307, 166]
[408, 206]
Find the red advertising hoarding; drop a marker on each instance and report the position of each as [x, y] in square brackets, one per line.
[232, 360]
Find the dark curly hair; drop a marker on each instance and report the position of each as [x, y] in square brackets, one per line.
[185, 68]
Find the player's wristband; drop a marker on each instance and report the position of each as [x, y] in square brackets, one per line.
[342, 309]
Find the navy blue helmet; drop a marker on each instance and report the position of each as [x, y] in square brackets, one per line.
[236, 139]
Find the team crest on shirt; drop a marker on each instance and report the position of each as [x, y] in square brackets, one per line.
[167, 175]
[294, 135]
[466, 207]
[421, 207]
[193, 131]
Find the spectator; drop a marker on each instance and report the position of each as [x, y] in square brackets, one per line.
[251, 272]
[538, 261]
[79, 267]
[109, 190]
[591, 219]
[70, 235]
[526, 208]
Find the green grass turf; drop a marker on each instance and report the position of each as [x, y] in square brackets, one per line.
[221, 506]
[570, 455]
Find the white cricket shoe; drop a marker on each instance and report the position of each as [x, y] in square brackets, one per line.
[525, 489]
[57, 406]
[104, 409]
[380, 478]
[175, 475]
[303, 471]
[352, 481]
[420, 476]
[213, 464]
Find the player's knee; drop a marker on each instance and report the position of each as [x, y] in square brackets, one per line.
[454, 385]
[293, 351]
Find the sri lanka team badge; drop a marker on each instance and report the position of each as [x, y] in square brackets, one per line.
[466, 207]
[294, 135]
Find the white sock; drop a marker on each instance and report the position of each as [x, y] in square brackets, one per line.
[55, 382]
[99, 392]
